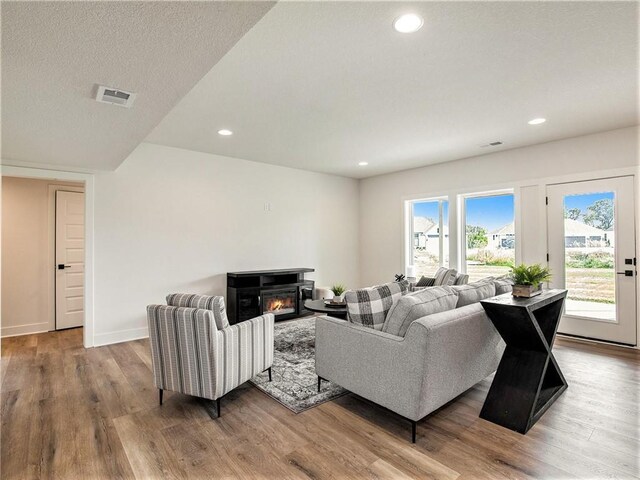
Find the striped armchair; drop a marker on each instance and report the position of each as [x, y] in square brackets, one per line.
[190, 354]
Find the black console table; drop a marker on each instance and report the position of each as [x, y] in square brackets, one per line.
[528, 379]
[281, 292]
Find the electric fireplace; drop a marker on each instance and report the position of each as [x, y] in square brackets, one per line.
[280, 292]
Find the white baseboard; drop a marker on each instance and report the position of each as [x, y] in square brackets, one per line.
[24, 329]
[101, 339]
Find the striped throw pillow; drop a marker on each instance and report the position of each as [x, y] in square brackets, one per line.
[445, 276]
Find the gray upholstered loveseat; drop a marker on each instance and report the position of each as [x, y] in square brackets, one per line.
[439, 357]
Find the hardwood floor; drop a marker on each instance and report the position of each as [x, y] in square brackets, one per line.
[73, 413]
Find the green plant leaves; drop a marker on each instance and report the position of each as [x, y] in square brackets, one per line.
[530, 274]
[338, 289]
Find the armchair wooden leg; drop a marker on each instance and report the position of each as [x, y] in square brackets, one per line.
[160, 395]
[319, 383]
[413, 431]
[269, 373]
[218, 407]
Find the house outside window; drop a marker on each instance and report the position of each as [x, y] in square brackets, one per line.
[430, 233]
[489, 235]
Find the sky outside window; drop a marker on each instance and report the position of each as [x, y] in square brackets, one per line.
[584, 201]
[430, 210]
[490, 212]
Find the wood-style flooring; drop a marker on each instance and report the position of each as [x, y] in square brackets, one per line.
[72, 413]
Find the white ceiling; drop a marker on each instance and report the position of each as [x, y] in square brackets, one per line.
[54, 54]
[322, 86]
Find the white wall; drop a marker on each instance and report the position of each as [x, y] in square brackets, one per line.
[173, 220]
[27, 250]
[176, 220]
[526, 169]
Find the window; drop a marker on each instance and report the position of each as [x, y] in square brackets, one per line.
[490, 238]
[429, 235]
[590, 258]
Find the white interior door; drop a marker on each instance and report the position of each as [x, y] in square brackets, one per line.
[69, 259]
[592, 249]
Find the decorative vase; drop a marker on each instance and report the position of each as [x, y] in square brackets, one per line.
[337, 299]
[527, 291]
[323, 293]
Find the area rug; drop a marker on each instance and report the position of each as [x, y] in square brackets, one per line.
[295, 384]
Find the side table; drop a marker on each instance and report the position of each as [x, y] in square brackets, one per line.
[320, 307]
[528, 379]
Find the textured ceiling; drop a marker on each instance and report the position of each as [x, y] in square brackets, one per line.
[323, 86]
[54, 54]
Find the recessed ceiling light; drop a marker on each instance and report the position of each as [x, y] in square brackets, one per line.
[225, 132]
[408, 23]
[363, 164]
[537, 121]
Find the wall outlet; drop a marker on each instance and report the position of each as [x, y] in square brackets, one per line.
[267, 207]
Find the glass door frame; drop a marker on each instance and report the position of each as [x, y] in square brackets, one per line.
[596, 329]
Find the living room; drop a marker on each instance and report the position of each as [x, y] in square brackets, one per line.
[357, 141]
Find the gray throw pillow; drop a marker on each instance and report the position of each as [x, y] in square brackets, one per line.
[416, 305]
[474, 292]
[426, 282]
[503, 285]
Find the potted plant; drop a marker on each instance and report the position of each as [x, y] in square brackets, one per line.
[338, 290]
[528, 279]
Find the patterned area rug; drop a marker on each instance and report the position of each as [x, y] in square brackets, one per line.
[295, 384]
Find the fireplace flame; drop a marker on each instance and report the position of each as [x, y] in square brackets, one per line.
[277, 304]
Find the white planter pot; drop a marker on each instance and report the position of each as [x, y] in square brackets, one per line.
[526, 291]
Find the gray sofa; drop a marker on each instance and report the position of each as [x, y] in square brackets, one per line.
[440, 356]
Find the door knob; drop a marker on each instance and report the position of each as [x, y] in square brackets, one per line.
[62, 266]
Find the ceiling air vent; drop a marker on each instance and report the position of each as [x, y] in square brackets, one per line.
[115, 96]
